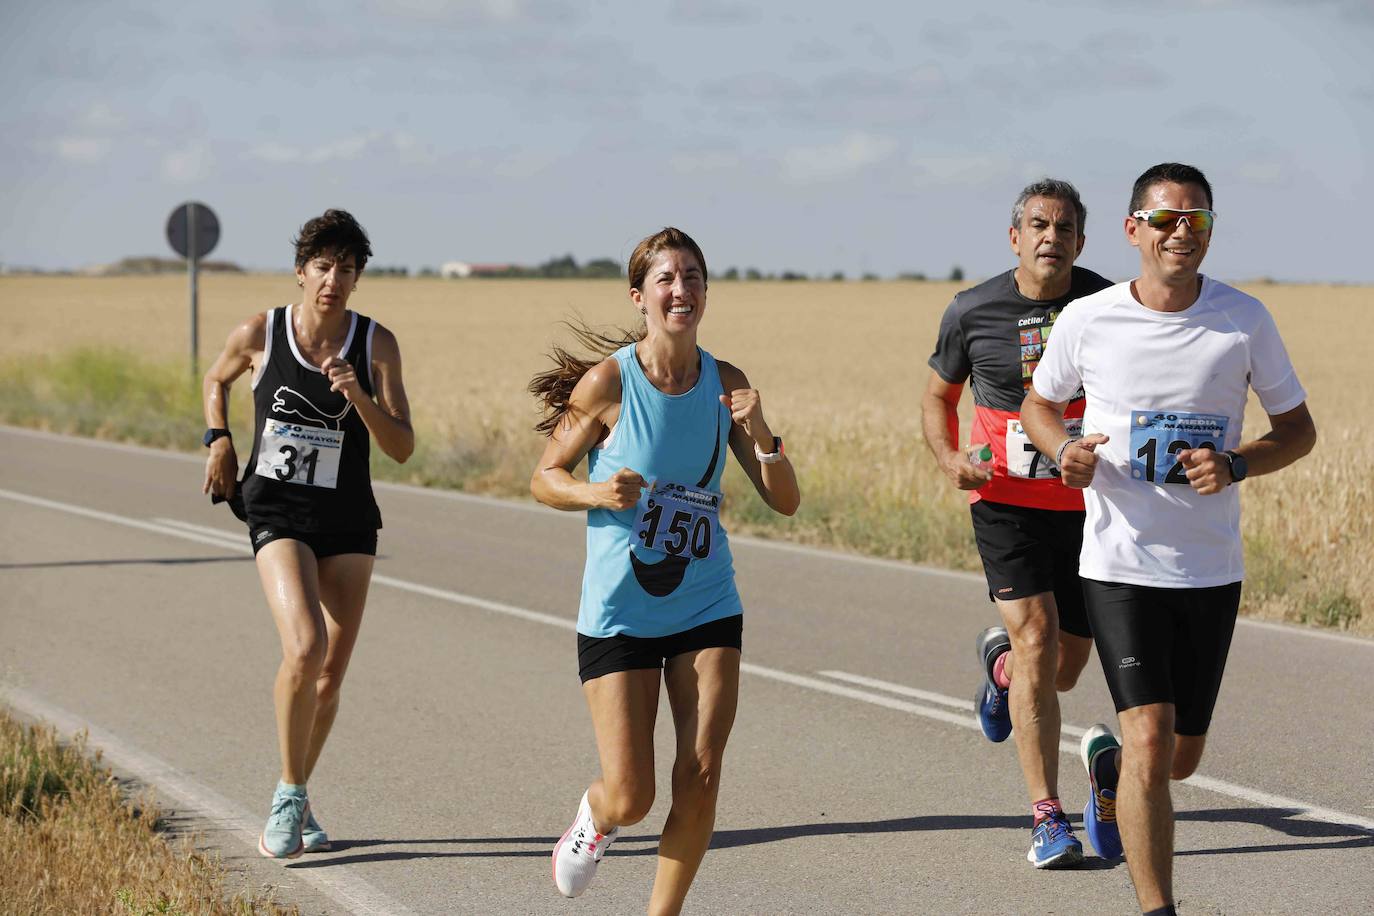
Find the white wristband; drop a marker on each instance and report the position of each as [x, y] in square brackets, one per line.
[772, 457]
[1059, 455]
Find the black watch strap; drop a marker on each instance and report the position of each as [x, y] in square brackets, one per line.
[214, 433]
[1239, 467]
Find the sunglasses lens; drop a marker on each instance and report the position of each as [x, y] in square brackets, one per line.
[1198, 220]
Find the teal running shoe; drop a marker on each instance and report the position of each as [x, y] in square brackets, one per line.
[1053, 844]
[281, 838]
[313, 837]
[994, 711]
[1099, 817]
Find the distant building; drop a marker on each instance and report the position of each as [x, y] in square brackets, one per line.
[461, 270]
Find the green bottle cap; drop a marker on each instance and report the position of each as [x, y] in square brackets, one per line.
[985, 454]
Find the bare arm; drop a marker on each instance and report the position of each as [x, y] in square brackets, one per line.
[1292, 435]
[940, 424]
[243, 347]
[388, 417]
[592, 410]
[776, 483]
[1043, 422]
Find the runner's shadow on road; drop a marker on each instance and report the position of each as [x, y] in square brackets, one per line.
[1282, 820]
[647, 844]
[154, 561]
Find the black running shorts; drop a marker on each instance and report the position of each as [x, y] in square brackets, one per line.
[597, 655]
[1164, 645]
[1028, 551]
[322, 544]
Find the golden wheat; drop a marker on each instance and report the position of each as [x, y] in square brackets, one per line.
[841, 366]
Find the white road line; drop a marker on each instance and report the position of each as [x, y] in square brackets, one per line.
[767, 544]
[1215, 785]
[352, 893]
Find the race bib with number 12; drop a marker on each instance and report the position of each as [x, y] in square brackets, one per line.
[1157, 438]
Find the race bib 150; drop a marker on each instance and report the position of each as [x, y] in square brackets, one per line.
[305, 455]
[678, 520]
[1157, 438]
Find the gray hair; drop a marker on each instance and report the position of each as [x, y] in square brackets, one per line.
[1049, 187]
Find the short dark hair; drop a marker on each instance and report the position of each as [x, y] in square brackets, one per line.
[1052, 188]
[1172, 172]
[336, 232]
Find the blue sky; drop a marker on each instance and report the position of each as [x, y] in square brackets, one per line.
[856, 136]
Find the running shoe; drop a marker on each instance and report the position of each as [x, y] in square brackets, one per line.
[579, 852]
[1099, 817]
[994, 713]
[281, 838]
[1053, 844]
[313, 836]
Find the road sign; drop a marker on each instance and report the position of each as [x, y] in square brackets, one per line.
[193, 221]
[192, 231]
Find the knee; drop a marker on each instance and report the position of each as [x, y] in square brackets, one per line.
[327, 687]
[304, 658]
[696, 782]
[1066, 677]
[1150, 752]
[626, 800]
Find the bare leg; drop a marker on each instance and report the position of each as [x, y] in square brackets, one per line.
[1144, 808]
[343, 593]
[703, 690]
[290, 579]
[1033, 625]
[624, 706]
[1073, 658]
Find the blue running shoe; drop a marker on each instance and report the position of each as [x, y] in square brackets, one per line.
[281, 838]
[313, 837]
[1053, 844]
[994, 714]
[1099, 817]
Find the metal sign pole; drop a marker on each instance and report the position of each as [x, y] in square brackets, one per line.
[191, 273]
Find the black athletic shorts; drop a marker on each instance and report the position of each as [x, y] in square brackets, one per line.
[322, 544]
[598, 655]
[1027, 551]
[1164, 645]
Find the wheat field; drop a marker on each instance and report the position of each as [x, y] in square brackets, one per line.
[840, 365]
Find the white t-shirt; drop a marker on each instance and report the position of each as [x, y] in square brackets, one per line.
[1157, 382]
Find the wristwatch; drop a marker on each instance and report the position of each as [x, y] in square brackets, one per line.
[1238, 466]
[214, 433]
[772, 457]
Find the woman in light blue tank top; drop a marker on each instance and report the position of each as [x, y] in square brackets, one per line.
[653, 414]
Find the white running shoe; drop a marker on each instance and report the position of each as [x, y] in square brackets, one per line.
[579, 852]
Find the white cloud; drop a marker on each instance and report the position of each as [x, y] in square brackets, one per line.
[341, 150]
[803, 165]
[959, 170]
[704, 161]
[1266, 173]
[85, 150]
[190, 163]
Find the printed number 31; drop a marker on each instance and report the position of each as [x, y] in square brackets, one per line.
[289, 456]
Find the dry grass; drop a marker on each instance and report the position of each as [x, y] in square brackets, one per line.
[841, 367]
[71, 842]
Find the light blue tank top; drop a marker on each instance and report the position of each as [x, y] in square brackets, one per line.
[688, 578]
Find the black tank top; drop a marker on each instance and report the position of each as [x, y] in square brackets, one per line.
[309, 466]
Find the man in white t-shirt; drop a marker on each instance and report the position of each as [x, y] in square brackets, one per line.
[1166, 362]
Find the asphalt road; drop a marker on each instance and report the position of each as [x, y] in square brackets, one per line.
[856, 780]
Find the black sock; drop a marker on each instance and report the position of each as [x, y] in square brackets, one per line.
[1105, 768]
[1166, 910]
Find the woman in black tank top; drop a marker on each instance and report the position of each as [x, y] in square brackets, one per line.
[325, 382]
